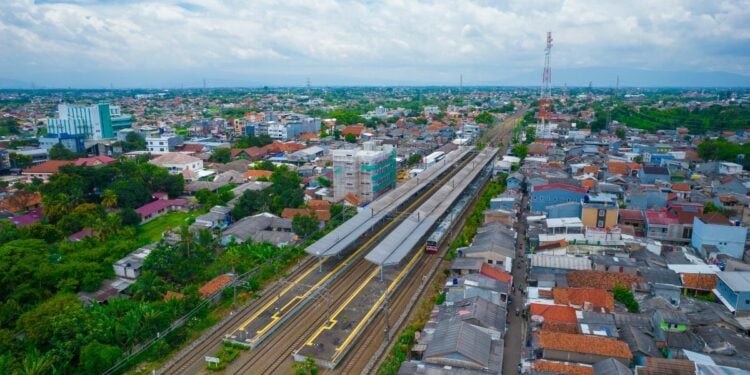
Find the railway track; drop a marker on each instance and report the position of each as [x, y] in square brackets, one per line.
[276, 351]
[362, 352]
[270, 357]
[192, 356]
[190, 359]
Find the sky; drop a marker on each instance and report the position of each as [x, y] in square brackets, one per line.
[181, 43]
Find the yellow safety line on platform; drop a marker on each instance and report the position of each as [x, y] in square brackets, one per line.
[380, 300]
[332, 320]
[270, 303]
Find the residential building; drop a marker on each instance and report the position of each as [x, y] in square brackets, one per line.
[130, 266]
[46, 169]
[662, 225]
[290, 126]
[568, 347]
[259, 228]
[163, 143]
[159, 207]
[178, 163]
[367, 173]
[715, 229]
[729, 168]
[733, 289]
[651, 174]
[598, 215]
[98, 121]
[555, 193]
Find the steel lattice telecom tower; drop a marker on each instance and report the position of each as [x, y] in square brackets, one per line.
[545, 98]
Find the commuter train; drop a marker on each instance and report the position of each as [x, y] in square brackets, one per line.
[438, 236]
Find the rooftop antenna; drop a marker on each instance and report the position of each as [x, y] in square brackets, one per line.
[308, 86]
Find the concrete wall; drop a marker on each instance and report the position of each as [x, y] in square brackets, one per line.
[729, 240]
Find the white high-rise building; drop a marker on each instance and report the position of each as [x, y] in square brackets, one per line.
[368, 172]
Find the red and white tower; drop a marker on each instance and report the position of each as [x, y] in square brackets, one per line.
[545, 97]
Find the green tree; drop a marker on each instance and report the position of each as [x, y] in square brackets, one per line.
[109, 198]
[306, 367]
[711, 207]
[305, 225]
[19, 161]
[351, 138]
[485, 118]
[623, 295]
[96, 357]
[324, 182]
[620, 133]
[133, 142]
[346, 117]
[148, 287]
[60, 152]
[221, 155]
[638, 159]
[530, 134]
[414, 159]
[9, 126]
[129, 217]
[521, 150]
[251, 202]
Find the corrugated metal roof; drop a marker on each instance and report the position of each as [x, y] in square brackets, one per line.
[407, 235]
[344, 235]
[738, 281]
[464, 339]
[561, 262]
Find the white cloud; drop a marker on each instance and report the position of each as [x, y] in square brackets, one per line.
[388, 39]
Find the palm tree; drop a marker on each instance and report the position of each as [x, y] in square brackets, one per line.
[109, 198]
[35, 363]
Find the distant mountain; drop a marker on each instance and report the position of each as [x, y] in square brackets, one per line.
[607, 77]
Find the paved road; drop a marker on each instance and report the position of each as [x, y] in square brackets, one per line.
[515, 337]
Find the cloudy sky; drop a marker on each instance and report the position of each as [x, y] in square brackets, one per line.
[173, 43]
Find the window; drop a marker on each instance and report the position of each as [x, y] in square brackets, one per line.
[489, 261]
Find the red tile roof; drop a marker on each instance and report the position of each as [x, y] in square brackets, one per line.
[617, 167]
[602, 346]
[173, 295]
[95, 161]
[556, 186]
[601, 279]
[660, 217]
[215, 285]
[554, 313]
[715, 218]
[352, 129]
[496, 274]
[555, 367]
[20, 201]
[290, 213]
[256, 173]
[681, 187]
[319, 204]
[598, 298]
[48, 167]
[699, 281]
[631, 215]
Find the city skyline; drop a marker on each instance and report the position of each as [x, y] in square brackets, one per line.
[172, 44]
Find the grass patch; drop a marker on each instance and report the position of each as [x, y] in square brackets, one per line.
[226, 355]
[151, 231]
